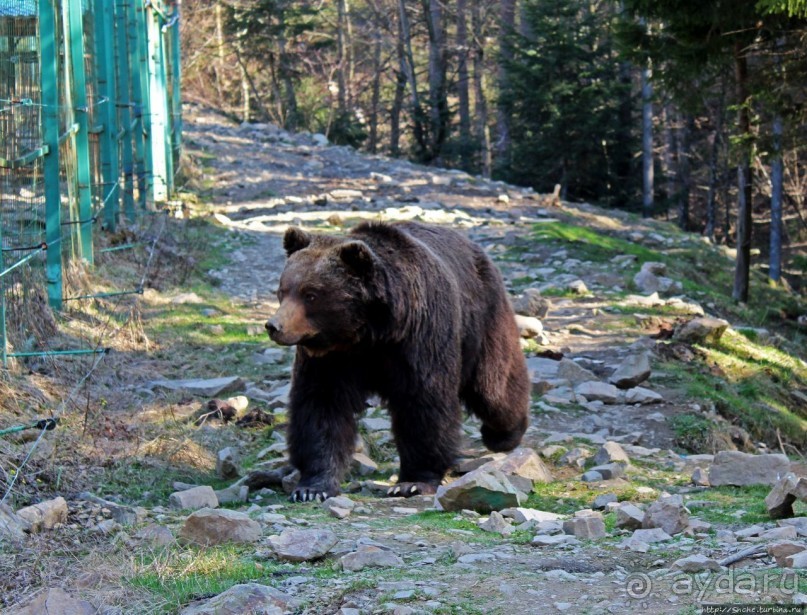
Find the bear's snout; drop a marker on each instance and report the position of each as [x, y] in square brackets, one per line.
[289, 325]
[272, 327]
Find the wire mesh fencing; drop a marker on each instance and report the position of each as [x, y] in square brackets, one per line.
[90, 125]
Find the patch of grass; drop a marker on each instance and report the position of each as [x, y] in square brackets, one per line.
[751, 401]
[179, 576]
[591, 245]
[693, 432]
[730, 500]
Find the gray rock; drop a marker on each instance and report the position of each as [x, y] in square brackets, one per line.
[578, 287]
[629, 517]
[523, 463]
[785, 492]
[214, 526]
[589, 527]
[800, 523]
[574, 373]
[743, 469]
[555, 540]
[295, 545]
[227, 461]
[156, 535]
[339, 506]
[598, 391]
[601, 501]
[780, 551]
[234, 494]
[611, 452]
[45, 515]
[496, 524]
[362, 465]
[368, 556]
[124, 515]
[609, 470]
[481, 490]
[12, 527]
[703, 330]
[243, 598]
[643, 396]
[54, 601]
[522, 515]
[376, 424]
[591, 477]
[700, 477]
[634, 370]
[531, 303]
[667, 513]
[797, 560]
[194, 498]
[213, 387]
[575, 457]
[651, 536]
[696, 563]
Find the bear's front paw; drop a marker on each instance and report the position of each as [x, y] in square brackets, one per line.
[407, 490]
[312, 493]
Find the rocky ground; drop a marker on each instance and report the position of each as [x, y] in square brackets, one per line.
[599, 511]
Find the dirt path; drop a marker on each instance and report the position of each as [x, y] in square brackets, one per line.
[255, 181]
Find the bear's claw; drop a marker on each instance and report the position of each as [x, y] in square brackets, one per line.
[407, 490]
[308, 495]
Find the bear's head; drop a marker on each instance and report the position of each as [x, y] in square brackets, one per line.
[325, 292]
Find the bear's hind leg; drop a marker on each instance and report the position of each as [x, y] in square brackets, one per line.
[498, 391]
[426, 429]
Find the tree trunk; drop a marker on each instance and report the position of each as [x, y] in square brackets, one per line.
[375, 97]
[438, 103]
[341, 60]
[290, 114]
[503, 113]
[684, 174]
[647, 142]
[218, 66]
[408, 68]
[480, 104]
[463, 92]
[777, 182]
[742, 267]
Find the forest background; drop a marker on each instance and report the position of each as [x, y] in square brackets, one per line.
[692, 110]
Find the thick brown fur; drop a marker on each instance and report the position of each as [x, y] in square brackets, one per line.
[415, 313]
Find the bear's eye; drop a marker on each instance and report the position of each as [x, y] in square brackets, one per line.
[310, 298]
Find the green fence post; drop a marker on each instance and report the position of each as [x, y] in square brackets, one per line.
[134, 13]
[79, 92]
[176, 90]
[49, 60]
[158, 102]
[4, 349]
[124, 101]
[140, 25]
[105, 58]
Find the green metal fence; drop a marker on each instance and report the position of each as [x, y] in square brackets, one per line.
[90, 136]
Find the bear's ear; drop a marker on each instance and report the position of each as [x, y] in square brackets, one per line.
[295, 239]
[358, 257]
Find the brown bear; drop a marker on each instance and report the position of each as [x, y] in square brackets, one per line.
[417, 314]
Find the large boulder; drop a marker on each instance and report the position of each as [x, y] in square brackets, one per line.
[243, 598]
[216, 526]
[482, 490]
[634, 370]
[705, 330]
[785, 492]
[295, 545]
[667, 513]
[743, 469]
